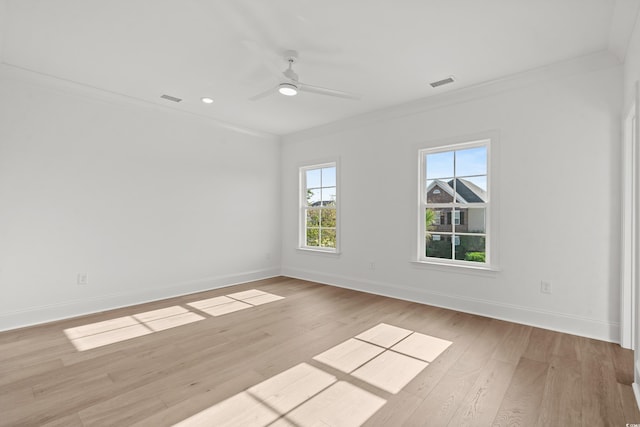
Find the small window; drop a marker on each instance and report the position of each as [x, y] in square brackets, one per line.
[437, 220]
[461, 171]
[319, 207]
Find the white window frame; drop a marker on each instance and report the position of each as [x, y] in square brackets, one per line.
[303, 207]
[490, 249]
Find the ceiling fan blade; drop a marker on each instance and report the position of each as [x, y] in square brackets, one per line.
[303, 87]
[267, 58]
[263, 94]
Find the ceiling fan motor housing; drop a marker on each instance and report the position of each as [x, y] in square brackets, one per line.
[288, 89]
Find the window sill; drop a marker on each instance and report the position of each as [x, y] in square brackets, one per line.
[318, 251]
[445, 266]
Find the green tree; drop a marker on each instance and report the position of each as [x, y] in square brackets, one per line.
[321, 226]
[430, 219]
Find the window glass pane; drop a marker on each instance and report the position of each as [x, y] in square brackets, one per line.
[313, 197]
[313, 217]
[469, 192]
[328, 237]
[472, 161]
[439, 191]
[478, 181]
[313, 178]
[313, 237]
[440, 165]
[440, 224]
[439, 246]
[473, 221]
[328, 195]
[329, 177]
[328, 218]
[432, 219]
[471, 248]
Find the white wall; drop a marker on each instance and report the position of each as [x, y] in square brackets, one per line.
[3, 5]
[148, 201]
[632, 65]
[559, 199]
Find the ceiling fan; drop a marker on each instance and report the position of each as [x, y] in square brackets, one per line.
[291, 86]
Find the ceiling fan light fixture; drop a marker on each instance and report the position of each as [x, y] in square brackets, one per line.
[288, 89]
[207, 100]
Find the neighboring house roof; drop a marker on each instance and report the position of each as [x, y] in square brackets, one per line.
[467, 191]
[443, 186]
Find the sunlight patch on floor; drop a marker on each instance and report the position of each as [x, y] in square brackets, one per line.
[98, 334]
[349, 355]
[106, 337]
[301, 396]
[218, 306]
[390, 371]
[385, 356]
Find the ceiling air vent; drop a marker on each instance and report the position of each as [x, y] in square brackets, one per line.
[171, 98]
[442, 82]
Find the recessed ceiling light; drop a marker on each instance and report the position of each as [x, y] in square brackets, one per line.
[207, 100]
[288, 89]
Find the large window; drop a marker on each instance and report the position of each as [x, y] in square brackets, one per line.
[454, 204]
[319, 207]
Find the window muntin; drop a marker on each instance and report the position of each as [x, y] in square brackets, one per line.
[454, 203]
[319, 207]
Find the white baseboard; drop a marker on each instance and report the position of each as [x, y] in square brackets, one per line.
[561, 322]
[48, 313]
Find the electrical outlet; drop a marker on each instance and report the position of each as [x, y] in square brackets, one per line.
[83, 279]
[545, 287]
[372, 265]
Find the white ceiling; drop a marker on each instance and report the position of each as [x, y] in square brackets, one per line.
[387, 51]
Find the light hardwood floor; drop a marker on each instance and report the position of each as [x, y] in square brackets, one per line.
[494, 373]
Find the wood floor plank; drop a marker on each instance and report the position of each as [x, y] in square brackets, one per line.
[16, 397]
[28, 375]
[482, 402]
[629, 405]
[462, 330]
[601, 403]
[516, 341]
[542, 344]
[623, 364]
[522, 401]
[122, 410]
[493, 371]
[442, 403]
[72, 420]
[562, 399]
[396, 411]
[567, 347]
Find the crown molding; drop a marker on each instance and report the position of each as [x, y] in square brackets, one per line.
[587, 63]
[623, 22]
[14, 72]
